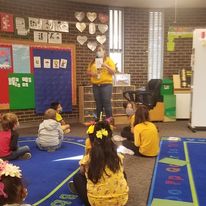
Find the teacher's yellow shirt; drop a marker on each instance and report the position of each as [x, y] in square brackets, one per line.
[105, 77]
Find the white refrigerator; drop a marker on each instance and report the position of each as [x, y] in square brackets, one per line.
[198, 84]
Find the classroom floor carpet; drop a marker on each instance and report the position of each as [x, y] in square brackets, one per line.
[179, 175]
[46, 174]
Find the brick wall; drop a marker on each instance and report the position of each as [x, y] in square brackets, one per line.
[180, 58]
[136, 44]
[135, 39]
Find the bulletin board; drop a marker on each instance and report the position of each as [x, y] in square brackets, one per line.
[21, 58]
[52, 75]
[60, 78]
[6, 67]
[21, 91]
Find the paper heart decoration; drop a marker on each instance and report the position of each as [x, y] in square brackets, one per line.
[79, 15]
[81, 39]
[92, 28]
[91, 16]
[81, 26]
[101, 39]
[92, 45]
[102, 28]
[103, 18]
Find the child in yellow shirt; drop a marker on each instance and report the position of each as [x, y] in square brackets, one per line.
[146, 137]
[127, 132]
[57, 106]
[90, 139]
[101, 180]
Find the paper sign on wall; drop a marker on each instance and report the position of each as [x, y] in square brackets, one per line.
[62, 26]
[35, 23]
[5, 58]
[7, 23]
[63, 63]
[54, 37]
[48, 25]
[20, 23]
[21, 58]
[40, 36]
[47, 63]
[21, 26]
[55, 63]
[37, 62]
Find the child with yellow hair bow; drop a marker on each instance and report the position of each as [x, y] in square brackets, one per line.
[101, 180]
[90, 130]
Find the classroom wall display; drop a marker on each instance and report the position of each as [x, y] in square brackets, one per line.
[48, 25]
[6, 22]
[40, 36]
[79, 15]
[61, 26]
[20, 25]
[53, 78]
[4, 89]
[93, 25]
[6, 67]
[103, 18]
[21, 58]
[21, 91]
[91, 16]
[5, 57]
[54, 37]
[32, 75]
[35, 23]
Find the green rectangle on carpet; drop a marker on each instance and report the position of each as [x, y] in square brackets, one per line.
[161, 202]
[173, 161]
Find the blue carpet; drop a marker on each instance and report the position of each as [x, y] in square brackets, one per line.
[46, 174]
[180, 185]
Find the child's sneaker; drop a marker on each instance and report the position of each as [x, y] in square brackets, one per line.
[72, 188]
[118, 138]
[122, 149]
[51, 150]
[26, 156]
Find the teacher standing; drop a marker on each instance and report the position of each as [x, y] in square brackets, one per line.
[101, 70]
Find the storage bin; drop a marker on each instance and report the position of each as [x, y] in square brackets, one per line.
[167, 87]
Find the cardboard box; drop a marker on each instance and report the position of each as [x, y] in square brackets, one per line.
[121, 80]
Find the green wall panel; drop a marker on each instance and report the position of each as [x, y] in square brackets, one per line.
[21, 91]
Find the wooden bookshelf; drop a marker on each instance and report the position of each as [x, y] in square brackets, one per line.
[87, 104]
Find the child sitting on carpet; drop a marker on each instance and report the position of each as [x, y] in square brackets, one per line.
[127, 132]
[146, 137]
[89, 139]
[57, 106]
[9, 149]
[12, 190]
[50, 134]
[101, 180]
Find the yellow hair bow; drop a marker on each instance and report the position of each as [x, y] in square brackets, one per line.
[90, 130]
[101, 133]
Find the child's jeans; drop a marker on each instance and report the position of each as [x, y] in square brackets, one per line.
[18, 153]
[49, 148]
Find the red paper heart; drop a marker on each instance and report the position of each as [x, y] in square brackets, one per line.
[103, 18]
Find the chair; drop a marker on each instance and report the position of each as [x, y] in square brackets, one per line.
[149, 96]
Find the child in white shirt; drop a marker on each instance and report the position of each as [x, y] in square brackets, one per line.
[50, 134]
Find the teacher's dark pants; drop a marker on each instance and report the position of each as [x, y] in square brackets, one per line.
[102, 96]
